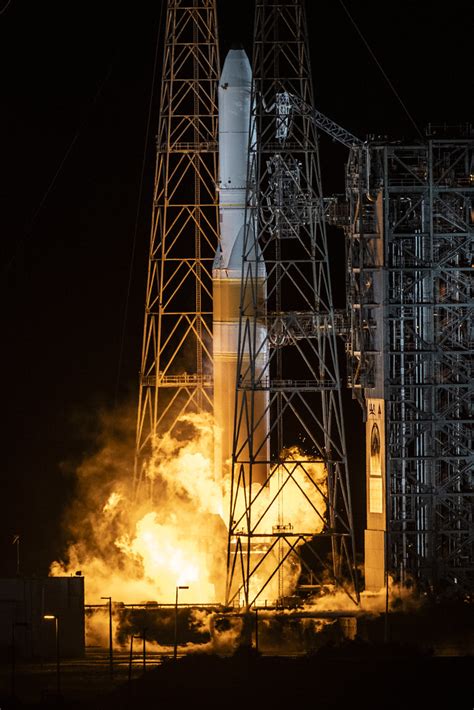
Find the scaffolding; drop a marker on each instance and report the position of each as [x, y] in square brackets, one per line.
[410, 251]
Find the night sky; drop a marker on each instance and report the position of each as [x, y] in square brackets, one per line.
[75, 88]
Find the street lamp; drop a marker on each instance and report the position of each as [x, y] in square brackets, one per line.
[111, 651]
[130, 661]
[175, 654]
[50, 617]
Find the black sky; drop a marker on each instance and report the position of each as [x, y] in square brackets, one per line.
[76, 81]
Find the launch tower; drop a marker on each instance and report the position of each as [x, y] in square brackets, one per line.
[289, 385]
[176, 366]
[410, 247]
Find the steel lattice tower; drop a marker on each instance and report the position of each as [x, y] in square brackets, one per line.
[410, 266]
[176, 367]
[289, 386]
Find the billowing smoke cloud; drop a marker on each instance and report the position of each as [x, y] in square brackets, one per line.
[137, 552]
[399, 598]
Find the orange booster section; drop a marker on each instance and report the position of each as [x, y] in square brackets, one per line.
[227, 296]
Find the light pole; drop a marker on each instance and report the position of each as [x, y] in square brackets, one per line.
[386, 627]
[50, 617]
[15, 624]
[16, 541]
[144, 650]
[130, 660]
[111, 649]
[175, 654]
[256, 629]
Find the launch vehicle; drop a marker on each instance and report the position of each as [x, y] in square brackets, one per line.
[235, 140]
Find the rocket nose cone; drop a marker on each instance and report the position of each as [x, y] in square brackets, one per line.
[236, 70]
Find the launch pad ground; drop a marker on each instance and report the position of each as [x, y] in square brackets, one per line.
[427, 662]
[388, 677]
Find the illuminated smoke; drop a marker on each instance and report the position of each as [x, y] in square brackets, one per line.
[137, 552]
[185, 464]
[295, 497]
[400, 597]
[112, 502]
[294, 500]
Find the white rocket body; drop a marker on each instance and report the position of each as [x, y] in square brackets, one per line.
[234, 96]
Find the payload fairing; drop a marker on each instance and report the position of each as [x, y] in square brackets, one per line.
[235, 142]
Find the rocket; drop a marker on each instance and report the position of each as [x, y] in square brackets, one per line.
[235, 136]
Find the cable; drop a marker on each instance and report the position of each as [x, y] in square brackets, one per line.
[137, 215]
[381, 69]
[5, 8]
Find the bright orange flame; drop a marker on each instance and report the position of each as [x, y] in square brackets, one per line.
[170, 558]
[143, 553]
[293, 500]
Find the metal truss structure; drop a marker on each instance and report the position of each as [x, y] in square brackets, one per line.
[176, 366]
[289, 386]
[411, 276]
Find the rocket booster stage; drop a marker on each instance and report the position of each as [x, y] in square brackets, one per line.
[234, 96]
